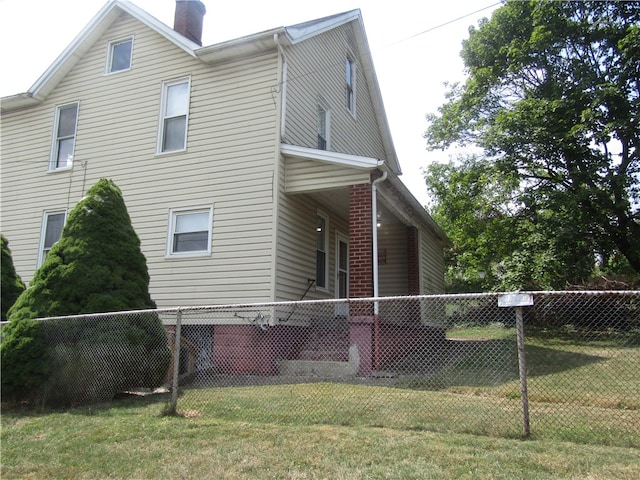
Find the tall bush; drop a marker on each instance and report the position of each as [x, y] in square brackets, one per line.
[11, 284]
[96, 266]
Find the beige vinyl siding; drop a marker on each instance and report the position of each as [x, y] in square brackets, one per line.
[431, 264]
[392, 244]
[296, 257]
[308, 175]
[229, 164]
[316, 69]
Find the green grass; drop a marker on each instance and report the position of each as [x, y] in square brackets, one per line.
[128, 439]
[456, 423]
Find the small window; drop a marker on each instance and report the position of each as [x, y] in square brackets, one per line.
[190, 231]
[173, 118]
[119, 55]
[323, 128]
[52, 224]
[64, 137]
[322, 254]
[350, 85]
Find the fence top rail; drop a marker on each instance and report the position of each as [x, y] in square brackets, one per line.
[443, 297]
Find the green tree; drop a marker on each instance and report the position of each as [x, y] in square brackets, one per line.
[10, 282]
[553, 97]
[96, 266]
[501, 239]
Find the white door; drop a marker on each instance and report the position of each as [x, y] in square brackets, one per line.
[342, 273]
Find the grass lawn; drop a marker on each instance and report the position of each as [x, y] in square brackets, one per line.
[128, 439]
[457, 424]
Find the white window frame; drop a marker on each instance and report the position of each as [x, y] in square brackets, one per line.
[56, 138]
[110, 48]
[163, 106]
[42, 254]
[325, 286]
[350, 84]
[321, 108]
[174, 213]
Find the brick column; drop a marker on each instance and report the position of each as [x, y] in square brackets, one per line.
[360, 247]
[412, 313]
[413, 261]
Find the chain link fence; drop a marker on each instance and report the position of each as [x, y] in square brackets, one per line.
[442, 363]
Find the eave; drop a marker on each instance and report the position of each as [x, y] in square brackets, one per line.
[335, 158]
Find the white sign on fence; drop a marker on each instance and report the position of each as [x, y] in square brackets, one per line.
[515, 300]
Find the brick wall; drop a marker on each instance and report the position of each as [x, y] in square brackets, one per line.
[360, 245]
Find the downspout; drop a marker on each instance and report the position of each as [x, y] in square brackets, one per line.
[376, 306]
[278, 92]
[282, 86]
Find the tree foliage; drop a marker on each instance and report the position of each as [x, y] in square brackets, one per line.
[10, 283]
[501, 241]
[96, 266]
[553, 96]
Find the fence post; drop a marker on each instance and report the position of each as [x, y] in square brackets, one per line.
[522, 366]
[519, 300]
[176, 362]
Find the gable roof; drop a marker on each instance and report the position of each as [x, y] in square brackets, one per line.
[219, 52]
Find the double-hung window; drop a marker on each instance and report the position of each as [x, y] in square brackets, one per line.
[64, 137]
[52, 224]
[190, 231]
[322, 253]
[174, 116]
[323, 128]
[119, 55]
[350, 85]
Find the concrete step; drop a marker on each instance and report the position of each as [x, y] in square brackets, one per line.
[335, 355]
[322, 368]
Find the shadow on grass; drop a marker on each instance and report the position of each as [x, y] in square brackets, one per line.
[122, 401]
[481, 363]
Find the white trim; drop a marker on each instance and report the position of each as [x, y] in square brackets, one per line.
[171, 225]
[43, 232]
[53, 153]
[110, 46]
[326, 156]
[341, 308]
[161, 117]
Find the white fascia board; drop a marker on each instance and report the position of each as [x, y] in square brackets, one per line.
[302, 31]
[325, 156]
[85, 40]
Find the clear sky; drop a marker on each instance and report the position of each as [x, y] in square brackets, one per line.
[415, 46]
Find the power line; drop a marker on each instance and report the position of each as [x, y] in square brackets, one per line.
[431, 29]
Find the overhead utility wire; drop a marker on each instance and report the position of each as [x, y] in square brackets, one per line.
[442, 25]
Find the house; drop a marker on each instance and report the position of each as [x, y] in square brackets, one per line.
[254, 170]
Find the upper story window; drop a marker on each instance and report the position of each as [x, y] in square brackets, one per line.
[119, 55]
[190, 231]
[323, 128]
[350, 85]
[322, 251]
[52, 224]
[64, 137]
[174, 111]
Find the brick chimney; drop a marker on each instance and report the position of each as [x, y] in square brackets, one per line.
[188, 19]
